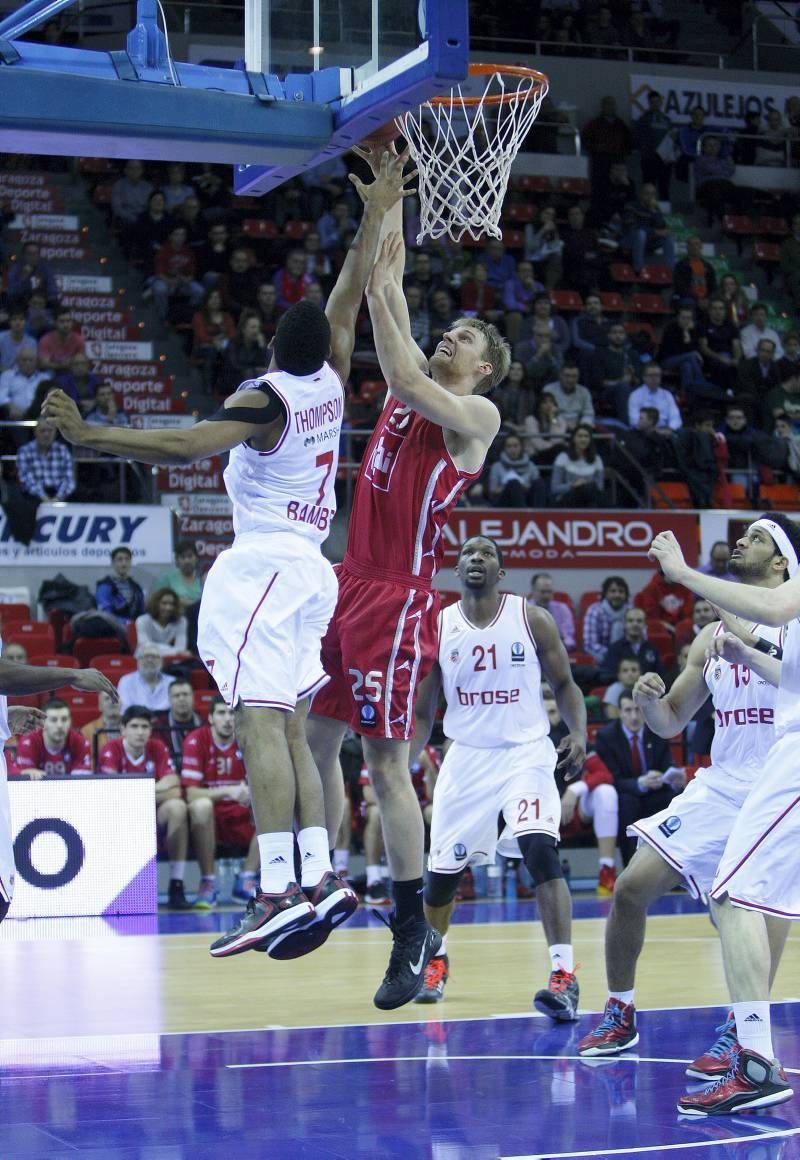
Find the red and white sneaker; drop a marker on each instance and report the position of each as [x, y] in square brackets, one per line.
[615, 1032]
[716, 1062]
[559, 999]
[606, 881]
[750, 1082]
[333, 901]
[264, 916]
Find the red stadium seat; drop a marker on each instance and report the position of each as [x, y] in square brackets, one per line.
[772, 227]
[83, 715]
[656, 275]
[613, 302]
[566, 300]
[203, 701]
[14, 614]
[77, 700]
[669, 493]
[533, 183]
[112, 666]
[297, 230]
[781, 497]
[586, 599]
[86, 647]
[201, 681]
[623, 272]
[29, 631]
[565, 598]
[647, 304]
[522, 211]
[582, 658]
[260, 228]
[574, 186]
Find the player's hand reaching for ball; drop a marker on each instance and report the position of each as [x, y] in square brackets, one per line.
[649, 687]
[390, 182]
[666, 551]
[571, 755]
[62, 410]
[93, 681]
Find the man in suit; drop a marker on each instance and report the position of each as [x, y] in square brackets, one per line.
[638, 759]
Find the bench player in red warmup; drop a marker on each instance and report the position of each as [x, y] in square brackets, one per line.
[55, 750]
[428, 446]
[268, 599]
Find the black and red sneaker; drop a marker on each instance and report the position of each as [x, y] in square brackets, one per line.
[437, 973]
[559, 999]
[751, 1082]
[333, 901]
[615, 1032]
[264, 917]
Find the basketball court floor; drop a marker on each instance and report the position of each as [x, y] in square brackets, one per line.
[126, 1039]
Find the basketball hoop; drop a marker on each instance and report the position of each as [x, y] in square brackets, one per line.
[464, 147]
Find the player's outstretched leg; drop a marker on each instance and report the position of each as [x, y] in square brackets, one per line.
[645, 879]
[440, 892]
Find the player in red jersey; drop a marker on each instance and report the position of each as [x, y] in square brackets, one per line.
[215, 782]
[55, 750]
[428, 446]
[138, 752]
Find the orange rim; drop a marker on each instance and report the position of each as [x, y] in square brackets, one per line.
[480, 70]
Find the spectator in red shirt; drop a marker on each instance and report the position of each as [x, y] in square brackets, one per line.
[664, 601]
[55, 750]
[292, 279]
[214, 778]
[174, 269]
[138, 752]
[58, 347]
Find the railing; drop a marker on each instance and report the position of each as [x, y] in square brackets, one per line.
[677, 56]
[788, 138]
[760, 43]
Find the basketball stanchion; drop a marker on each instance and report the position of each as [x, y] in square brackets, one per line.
[464, 146]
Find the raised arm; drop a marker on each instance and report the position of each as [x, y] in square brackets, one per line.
[181, 445]
[668, 714]
[471, 416]
[773, 606]
[382, 199]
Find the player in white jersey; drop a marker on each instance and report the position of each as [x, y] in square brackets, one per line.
[22, 681]
[683, 844]
[268, 599]
[759, 872]
[493, 651]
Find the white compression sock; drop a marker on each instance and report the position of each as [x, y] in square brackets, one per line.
[753, 1028]
[625, 997]
[341, 860]
[315, 859]
[177, 871]
[277, 861]
[373, 874]
[562, 957]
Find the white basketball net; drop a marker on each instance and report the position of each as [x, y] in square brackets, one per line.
[464, 153]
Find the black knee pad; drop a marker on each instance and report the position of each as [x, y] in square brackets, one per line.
[540, 854]
[440, 889]
[3, 908]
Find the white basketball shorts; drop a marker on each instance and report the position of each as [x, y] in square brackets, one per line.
[6, 844]
[474, 786]
[266, 605]
[691, 833]
[760, 869]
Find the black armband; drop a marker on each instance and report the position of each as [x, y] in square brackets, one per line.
[767, 646]
[274, 409]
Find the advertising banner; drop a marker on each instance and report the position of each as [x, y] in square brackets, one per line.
[571, 539]
[78, 533]
[83, 846]
[725, 101]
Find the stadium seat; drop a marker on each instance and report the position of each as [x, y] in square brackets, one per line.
[656, 275]
[112, 666]
[780, 497]
[565, 598]
[768, 255]
[83, 715]
[598, 691]
[201, 681]
[586, 599]
[532, 183]
[641, 303]
[372, 389]
[297, 230]
[772, 227]
[736, 497]
[260, 228]
[582, 658]
[592, 731]
[14, 614]
[624, 273]
[43, 659]
[574, 186]
[670, 493]
[521, 211]
[77, 699]
[613, 302]
[86, 647]
[566, 300]
[737, 226]
[38, 631]
[203, 701]
[639, 325]
[513, 239]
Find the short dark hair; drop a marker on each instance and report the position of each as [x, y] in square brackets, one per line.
[120, 548]
[626, 696]
[55, 703]
[480, 536]
[302, 339]
[176, 684]
[215, 701]
[609, 580]
[185, 546]
[136, 712]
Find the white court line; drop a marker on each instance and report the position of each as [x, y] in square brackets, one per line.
[659, 1147]
[424, 1059]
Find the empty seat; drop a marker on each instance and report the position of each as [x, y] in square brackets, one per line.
[670, 493]
[782, 497]
[533, 183]
[641, 303]
[566, 300]
[522, 211]
[28, 631]
[656, 275]
[86, 647]
[613, 302]
[623, 272]
[112, 666]
[772, 227]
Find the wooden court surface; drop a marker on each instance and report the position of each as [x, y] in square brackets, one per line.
[170, 983]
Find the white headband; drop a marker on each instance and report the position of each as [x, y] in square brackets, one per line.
[783, 542]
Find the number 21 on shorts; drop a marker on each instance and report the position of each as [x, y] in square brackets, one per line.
[527, 810]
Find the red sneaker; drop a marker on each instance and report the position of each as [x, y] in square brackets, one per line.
[716, 1062]
[559, 999]
[615, 1032]
[437, 973]
[750, 1082]
[606, 881]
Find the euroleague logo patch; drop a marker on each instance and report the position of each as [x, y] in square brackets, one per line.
[669, 826]
[368, 716]
[518, 653]
[459, 851]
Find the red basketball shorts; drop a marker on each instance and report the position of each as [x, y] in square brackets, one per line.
[378, 647]
[233, 823]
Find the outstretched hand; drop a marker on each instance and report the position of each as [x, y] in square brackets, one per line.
[666, 551]
[390, 182]
[63, 411]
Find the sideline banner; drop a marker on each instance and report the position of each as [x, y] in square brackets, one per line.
[571, 539]
[83, 846]
[83, 533]
[725, 101]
